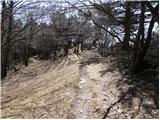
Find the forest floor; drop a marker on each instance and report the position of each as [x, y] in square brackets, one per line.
[88, 86]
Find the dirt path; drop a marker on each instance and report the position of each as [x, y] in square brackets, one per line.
[82, 106]
[92, 96]
[82, 87]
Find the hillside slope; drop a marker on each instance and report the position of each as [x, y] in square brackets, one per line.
[88, 86]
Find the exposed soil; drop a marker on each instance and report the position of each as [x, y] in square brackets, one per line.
[89, 86]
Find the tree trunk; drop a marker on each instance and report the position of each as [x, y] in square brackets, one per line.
[2, 20]
[127, 25]
[140, 32]
[5, 50]
[140, 57]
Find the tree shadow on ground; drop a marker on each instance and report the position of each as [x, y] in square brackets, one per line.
[89, 61]
[146, 91]
[143, 87]
[140, 91]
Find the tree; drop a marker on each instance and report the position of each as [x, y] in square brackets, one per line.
[7, 16]
[125, 17]
[11, 31]
[127, 25]
[140, 52]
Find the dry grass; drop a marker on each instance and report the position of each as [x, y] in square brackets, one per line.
[22, 94]
[78, 88]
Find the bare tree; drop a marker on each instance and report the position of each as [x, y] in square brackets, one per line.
[7, 14]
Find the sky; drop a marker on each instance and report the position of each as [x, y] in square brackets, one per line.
[51, 3]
